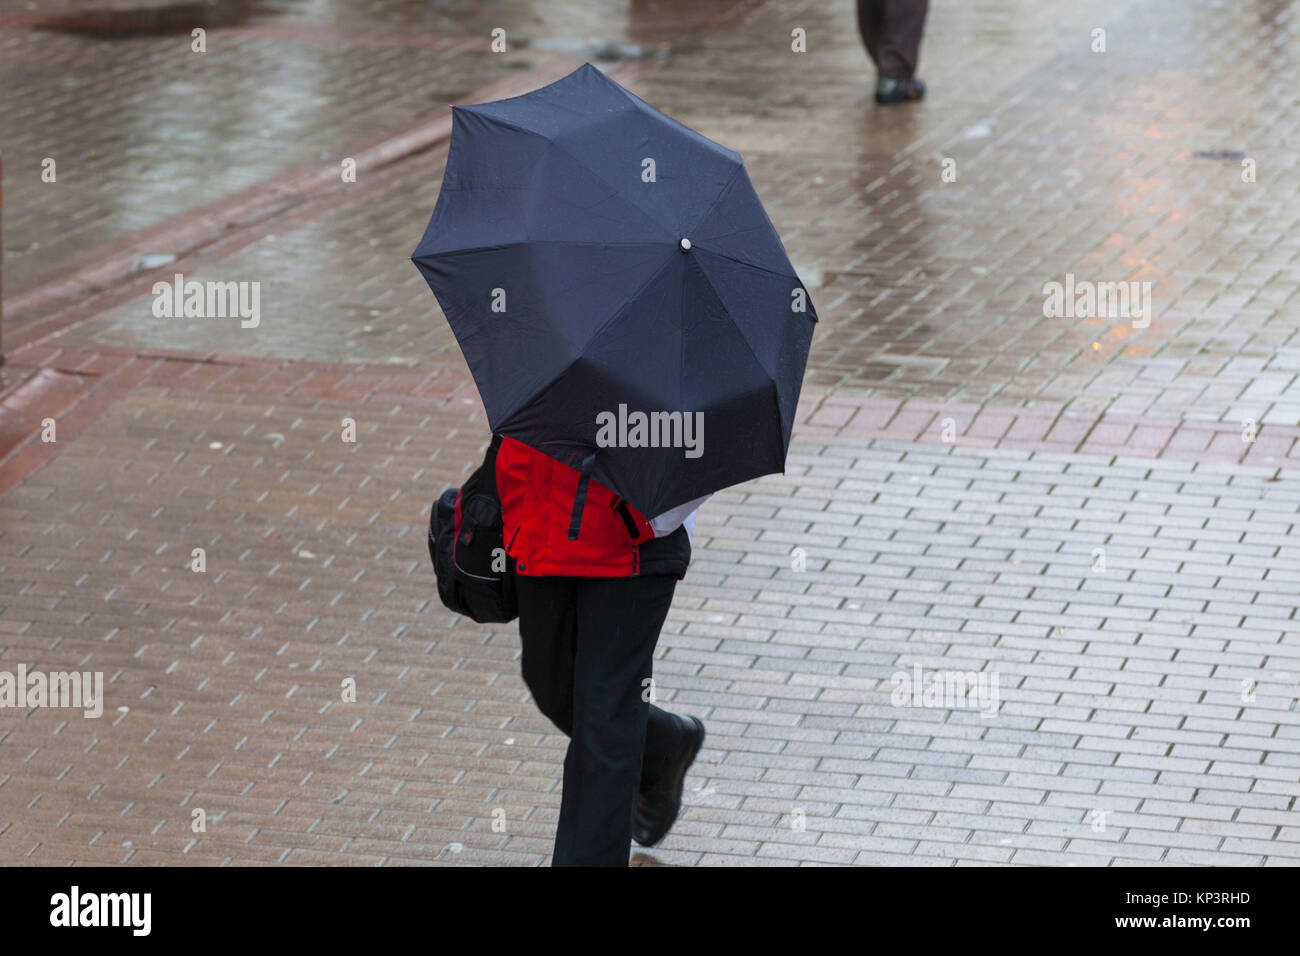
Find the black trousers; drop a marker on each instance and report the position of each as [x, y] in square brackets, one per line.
[891, 32]
[588, 645]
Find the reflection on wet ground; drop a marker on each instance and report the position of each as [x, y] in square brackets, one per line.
[1111, 168]
[118, 24]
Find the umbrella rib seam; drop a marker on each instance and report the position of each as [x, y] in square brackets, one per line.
[757, 268]
[583, 165]
[772, 377]
[718, 198]
[714, 289]
[582, 351]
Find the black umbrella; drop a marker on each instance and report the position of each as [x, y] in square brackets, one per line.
[621, 297]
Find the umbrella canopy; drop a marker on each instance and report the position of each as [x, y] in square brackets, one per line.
[618, 291]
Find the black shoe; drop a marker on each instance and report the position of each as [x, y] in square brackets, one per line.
[658, 807]
[899, 91]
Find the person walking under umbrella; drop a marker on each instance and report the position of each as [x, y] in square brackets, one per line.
[615, 286]
[590, 612]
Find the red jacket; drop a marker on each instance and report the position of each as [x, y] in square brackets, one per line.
[614, 539]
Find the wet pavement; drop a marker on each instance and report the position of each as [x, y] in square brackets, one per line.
[959, 458]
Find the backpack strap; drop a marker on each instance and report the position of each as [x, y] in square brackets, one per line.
[580, 496]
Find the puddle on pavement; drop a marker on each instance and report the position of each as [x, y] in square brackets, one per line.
[157, 21]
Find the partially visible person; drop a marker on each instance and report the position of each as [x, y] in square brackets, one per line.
[590, 610]
[891, 31]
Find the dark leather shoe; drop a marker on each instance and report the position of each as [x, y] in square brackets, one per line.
[658, 807]
[899, 91]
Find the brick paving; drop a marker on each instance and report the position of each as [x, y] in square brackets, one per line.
[1120, 691]
[1067, 505]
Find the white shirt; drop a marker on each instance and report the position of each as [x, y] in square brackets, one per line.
[681, 516]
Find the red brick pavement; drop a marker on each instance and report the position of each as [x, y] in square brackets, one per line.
[50, 379]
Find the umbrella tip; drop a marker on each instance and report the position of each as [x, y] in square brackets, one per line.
[685, 244]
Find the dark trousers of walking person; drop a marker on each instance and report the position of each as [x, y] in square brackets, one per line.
[891, 31]
[588, 645]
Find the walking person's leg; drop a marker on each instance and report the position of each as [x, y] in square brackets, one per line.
[870, 14]
[632, 608]
[899, 50]
[618, 626]
[891, 32]
[548, 632]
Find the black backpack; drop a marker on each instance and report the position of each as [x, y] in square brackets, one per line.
[466, 543]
